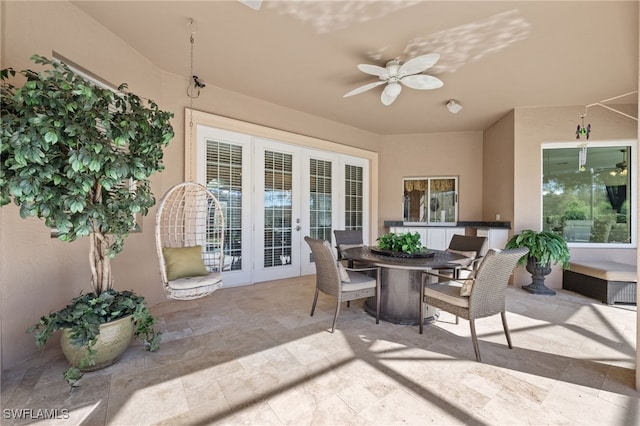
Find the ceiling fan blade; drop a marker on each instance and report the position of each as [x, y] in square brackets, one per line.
[372, 69]
[364, 88]
[422, 82]
[390, 93]
[419, 64]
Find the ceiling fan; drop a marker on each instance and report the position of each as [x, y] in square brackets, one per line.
[395, 75]
[621, 167]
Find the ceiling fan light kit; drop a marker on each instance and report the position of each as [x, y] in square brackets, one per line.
[396, 75]
[454, 106]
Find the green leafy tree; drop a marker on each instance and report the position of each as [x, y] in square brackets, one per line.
[79, 156]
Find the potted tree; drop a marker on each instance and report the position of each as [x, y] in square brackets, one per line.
[78, 156]
[545, 248]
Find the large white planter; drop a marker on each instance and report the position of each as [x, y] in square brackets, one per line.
[113, 341]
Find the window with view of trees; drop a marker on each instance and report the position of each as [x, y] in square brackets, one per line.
[587, 192]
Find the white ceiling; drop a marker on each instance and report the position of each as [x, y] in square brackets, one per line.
[495, 56]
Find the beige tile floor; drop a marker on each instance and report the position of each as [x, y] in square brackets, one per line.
[253, 356]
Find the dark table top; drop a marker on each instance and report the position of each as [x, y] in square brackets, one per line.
[441, 259]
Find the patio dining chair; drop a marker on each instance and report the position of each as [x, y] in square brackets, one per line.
[346, 239]
[345, 284]
[471, 248]
[477, 297]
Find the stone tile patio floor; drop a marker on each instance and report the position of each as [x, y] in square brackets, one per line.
[253, 355]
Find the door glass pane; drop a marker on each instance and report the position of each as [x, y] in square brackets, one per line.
[320, 199]
[442, 200]
[353, 197]
[277, 208]
[587, 194]
[224, 179]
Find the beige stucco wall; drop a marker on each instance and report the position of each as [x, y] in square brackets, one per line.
[535, 126]
[438, 154]
[497, 168]
[638, 226]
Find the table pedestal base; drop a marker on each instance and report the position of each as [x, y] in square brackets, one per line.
[400, 298]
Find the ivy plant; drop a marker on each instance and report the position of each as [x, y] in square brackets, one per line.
[406, 242]
[83, 317]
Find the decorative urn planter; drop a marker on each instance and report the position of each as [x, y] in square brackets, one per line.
[538, 273]
[545, 248]
[113, 340]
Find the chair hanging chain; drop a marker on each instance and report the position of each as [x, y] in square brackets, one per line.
[191, 95]
[193, 90]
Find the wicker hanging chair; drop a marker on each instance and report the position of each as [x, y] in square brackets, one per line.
[189, 241]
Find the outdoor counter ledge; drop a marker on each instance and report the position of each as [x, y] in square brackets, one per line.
[462, 224]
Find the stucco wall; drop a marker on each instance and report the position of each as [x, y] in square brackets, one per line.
[498, 172]
[535, 126]
[439, 154]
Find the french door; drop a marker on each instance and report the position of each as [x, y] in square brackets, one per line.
[276, 193]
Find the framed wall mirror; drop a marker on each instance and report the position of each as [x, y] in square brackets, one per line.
[430, 200]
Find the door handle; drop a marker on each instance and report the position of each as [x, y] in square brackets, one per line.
[298, 227]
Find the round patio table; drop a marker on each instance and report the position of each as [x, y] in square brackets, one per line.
[401, 282]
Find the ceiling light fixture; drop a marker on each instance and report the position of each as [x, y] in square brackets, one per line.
[454, 106]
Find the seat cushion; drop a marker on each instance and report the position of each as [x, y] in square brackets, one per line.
[358, 281]
[606, 270]
[448, 291]
[182, 262]
[197, 281]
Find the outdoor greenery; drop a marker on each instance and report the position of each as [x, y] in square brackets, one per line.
[407, 242]
[546, 247]
[79, 156]
[601, 194]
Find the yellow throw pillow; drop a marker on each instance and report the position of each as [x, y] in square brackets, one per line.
[182, 262]
[467, 284]
[344, 275]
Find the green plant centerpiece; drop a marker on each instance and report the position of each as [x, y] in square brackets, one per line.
[407, 243]
[79, 156]
[545, 248]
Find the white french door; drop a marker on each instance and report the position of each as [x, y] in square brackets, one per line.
[278, 201]
[224, 166]
[274, 194]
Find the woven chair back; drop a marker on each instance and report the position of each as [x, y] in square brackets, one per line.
[490, 286]
[327, 275]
